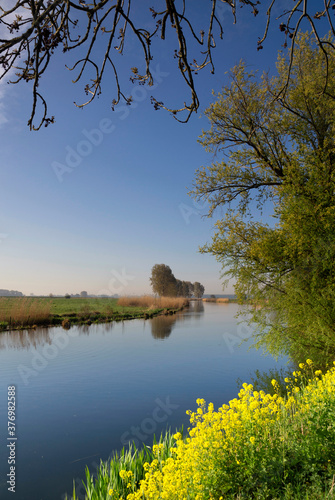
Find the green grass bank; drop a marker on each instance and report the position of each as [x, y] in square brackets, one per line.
[28, 312]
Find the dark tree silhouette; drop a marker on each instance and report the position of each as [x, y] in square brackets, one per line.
[36, 28]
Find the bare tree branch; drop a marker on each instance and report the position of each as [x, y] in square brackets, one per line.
[36, 29]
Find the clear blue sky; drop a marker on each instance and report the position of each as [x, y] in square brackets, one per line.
[122, 205]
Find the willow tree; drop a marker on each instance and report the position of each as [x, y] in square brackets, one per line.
[33, 31]
[275, 153]
[163, 281]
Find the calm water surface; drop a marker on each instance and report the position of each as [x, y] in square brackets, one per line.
[82, 393]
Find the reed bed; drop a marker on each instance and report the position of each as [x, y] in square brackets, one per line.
[24, 311]
[220, 300]
[150, 302]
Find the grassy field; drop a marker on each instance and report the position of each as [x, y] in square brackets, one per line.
[20, 312]
[75, 305]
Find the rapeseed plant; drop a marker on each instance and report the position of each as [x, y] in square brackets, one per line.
[258, 446]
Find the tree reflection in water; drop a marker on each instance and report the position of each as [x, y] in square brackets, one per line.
[162, 326]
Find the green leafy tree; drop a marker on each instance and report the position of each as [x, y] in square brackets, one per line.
[179, 288]
[163, 281]
[278, 155]
[187, 289]
[198, 290]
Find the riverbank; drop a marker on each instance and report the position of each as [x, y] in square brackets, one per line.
[29, 312]
[258, 446]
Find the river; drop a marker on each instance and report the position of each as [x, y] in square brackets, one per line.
[84, 392]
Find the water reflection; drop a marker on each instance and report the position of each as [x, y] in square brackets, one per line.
[161, 328]
[25, 339]
[97, 386]
[261, 380]
[197, 307]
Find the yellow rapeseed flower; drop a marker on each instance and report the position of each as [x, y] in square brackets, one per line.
[218, 437]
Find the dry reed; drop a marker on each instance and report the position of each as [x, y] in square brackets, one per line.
[149, 302]
[24, 311]
[222, 300]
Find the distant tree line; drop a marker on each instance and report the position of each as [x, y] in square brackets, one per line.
[10, 293]
[165, 284]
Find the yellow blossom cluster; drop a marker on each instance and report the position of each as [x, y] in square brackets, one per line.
[225, 445]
